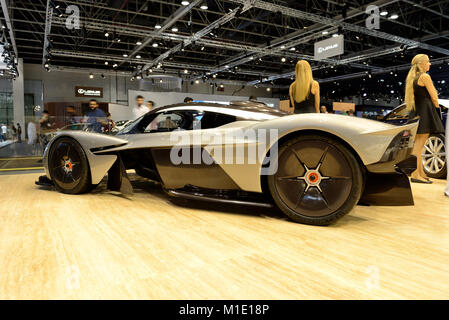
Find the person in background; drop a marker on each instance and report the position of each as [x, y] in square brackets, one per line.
[305, 92]
[19, 133]
[323, 109]
[140, 109]
[45, 127]
[253, 98]
[188, 100]
[110, 124]
[14, 132]
[421, 98]
[3, 132]
[32, 133]
[351, 113]
[150, 105]
[97, 117]
[71, 120]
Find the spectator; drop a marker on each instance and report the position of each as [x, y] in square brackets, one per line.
[323, 109]
[351, 113]
[305, 92]
[188, 100]
[19, 133]
[45, 127]
[421, 99]
[4, 131]
[140, 109]
[14, 132]
[150, 105]
[32, 133]
[253, 98]
[110, 124]
[97, 117]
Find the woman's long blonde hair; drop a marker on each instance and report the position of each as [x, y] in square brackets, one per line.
[414, 71]
[300, 89]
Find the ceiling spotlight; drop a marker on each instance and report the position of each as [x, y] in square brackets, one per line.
[393, 16]
[221, 85]
[383, 13]
[91, 76]
[138, 56]
[106, 63]
[150, 70]
[117, 39]
[46, 65]
[197, 81]
[268, 89]
[325, 32]
[158, 26]
[186, 71]
[132, 79]
[335, 35]
[185, 2]
[160, 81]
[204, 6]
[283, 59]
[139, 43]
[282, 47]
[106, 34]
[125, 55]
[155, 45]
[174, 29]
[292, 49]
[139, 77]
[115, 65]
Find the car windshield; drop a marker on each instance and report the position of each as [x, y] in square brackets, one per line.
[129, 126]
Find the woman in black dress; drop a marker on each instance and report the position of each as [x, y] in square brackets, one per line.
[305, 92]
[421, 98]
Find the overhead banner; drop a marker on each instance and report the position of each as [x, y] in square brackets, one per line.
[89, 92]
[331, 47]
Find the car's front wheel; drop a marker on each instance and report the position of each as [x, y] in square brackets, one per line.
[434, 157]
[318, 180]
[69, 167]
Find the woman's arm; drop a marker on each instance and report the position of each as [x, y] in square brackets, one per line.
[427, 81]
[292, 102]
[316, 93]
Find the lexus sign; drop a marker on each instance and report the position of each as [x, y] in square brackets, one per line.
[89, 92]
[331, 47]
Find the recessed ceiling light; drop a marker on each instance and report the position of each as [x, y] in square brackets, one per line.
[91, 76]
[197, 81]
[268, 89]
[204, 6]
[325, 32]
[174, 29]
[106, 63]
[292, 49]
[214, 76]
[282, 47]
[138, 56]
[158, 26]
[155, 45]
[186, 71]
[139, 43]
[106, 34]
[393, 17]
[185, 3]
[125, 55]
[283, 59]
[384, 13]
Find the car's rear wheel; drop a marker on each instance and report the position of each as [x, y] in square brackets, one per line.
[434, 157]
[318, 180]
[69, 167]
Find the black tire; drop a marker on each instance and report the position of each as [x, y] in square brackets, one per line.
[69, 167]
[434, 159]
[336, 185]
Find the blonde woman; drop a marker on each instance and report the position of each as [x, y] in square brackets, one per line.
[421, 99]
[305, 92]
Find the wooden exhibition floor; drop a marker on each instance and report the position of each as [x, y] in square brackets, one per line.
[106, 246]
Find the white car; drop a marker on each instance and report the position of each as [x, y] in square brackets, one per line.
[314, 167]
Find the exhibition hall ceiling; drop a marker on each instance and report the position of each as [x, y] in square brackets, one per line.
[253, 42]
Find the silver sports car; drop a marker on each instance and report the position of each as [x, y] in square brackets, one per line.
[314, 167]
